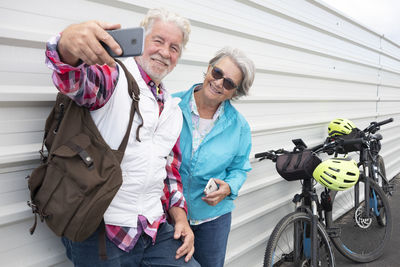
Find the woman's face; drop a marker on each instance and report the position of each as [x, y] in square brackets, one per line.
[215, 90]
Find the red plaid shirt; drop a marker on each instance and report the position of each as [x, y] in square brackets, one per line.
[92, 87]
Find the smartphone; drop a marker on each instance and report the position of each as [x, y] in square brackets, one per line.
[210, 187]
[299, 143]
[131, 41]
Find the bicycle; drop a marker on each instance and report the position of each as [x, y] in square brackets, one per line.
[292, 253]
[300, 238]
[368, 218]
[373, 142]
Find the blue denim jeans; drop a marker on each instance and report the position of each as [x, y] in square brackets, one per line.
[210, 241]
[162, 253]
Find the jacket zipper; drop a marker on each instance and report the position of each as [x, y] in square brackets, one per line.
[189, 185]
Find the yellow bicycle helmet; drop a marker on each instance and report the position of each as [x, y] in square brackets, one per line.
[340, 127]
[337, 173]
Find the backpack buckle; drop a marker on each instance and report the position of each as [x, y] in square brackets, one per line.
[43, 155]
[33, 207]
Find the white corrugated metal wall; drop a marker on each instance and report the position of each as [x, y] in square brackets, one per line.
[313, 65]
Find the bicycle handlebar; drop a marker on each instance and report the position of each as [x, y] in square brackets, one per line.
[354, 141]
[262, 155]
[271, 154]
[385, 122]
[329, 146]
[374, 126]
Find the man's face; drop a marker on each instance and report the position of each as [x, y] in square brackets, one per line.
[162, 48]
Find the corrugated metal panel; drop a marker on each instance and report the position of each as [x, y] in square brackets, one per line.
[313, 65]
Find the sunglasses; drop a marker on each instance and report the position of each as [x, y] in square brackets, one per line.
[217, 74]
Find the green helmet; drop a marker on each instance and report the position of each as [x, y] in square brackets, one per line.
[337, 173]
[340, 127]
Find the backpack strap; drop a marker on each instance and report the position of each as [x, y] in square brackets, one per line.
[134, 93]
[102, 241]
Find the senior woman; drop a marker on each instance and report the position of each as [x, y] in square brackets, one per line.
[215, 143]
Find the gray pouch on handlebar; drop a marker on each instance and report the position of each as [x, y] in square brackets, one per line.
[297, 165]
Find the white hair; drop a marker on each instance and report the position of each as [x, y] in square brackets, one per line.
[166, 16]
[245, 65]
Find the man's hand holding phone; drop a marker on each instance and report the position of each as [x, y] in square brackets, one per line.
[130, 40]
[216, 190]
[95, 42]
[82, 42]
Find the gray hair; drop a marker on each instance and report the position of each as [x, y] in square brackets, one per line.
[166, 16]
[245, 65]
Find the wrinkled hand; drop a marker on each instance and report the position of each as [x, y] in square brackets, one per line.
[82, 41]
[215, 197]
[185, 233]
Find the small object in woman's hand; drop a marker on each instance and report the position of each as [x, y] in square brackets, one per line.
[210, 187]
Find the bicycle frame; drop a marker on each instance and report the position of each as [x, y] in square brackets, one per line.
[371, 149]
[307, 202]
[370, 171]
[368, 162]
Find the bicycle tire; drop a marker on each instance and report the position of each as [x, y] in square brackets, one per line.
[382, 173]
[357, 238]
[279, 250]
[381, 166]
[385, 186]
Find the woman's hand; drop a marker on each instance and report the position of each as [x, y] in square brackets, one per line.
[215, 197]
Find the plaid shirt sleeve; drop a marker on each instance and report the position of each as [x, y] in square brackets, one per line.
[173, 189]
[89, 86]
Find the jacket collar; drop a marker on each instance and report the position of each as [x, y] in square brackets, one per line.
[224, 120]
[229, 109]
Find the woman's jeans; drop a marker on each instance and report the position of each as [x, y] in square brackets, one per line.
[210, 241]
[162, 253]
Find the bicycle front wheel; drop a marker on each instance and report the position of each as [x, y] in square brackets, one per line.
[381, 176]
[359, 236]
[290, 245]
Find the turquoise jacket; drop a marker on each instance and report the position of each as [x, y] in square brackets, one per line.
[223, 154]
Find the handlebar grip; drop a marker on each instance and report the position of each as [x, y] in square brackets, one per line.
[262, 155]
[385, 122]
[352, 141]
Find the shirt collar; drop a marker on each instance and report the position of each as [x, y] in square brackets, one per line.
[150, 83]
[148, 80]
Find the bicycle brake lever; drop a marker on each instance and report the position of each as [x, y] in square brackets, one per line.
[374, 130]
